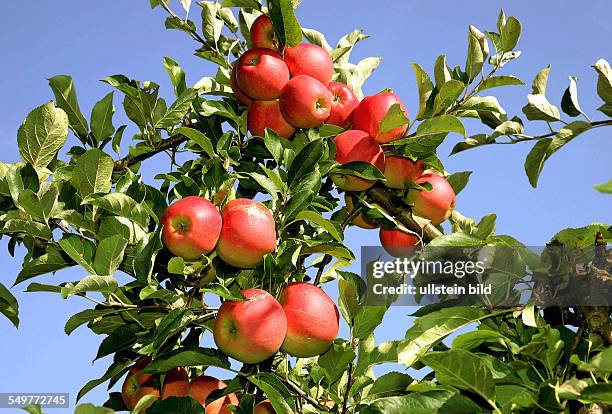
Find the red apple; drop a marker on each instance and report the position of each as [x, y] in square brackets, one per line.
[398, 169]
[261, 74]
[372, 110]
[176, 383]
[305, 102]
[436, 205]
[311, 60]
[267, 114]
[202, 386]
[396, 241]
[191, 227]
[343, 104]
[354, 145]
[251, 331]
[262, 33]
[312, 320]
[264, 407]
[360, 220]
[138, 384]
[239, 93]
[248, 233]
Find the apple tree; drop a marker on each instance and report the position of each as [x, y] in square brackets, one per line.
[76, 200]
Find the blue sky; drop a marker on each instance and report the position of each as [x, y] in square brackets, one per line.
[91, 40]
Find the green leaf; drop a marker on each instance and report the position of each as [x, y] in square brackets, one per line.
[92, 409]
[483, 104]
[121, 338]
[474, 339]
[104, 284]
[39, 287]
[336, 360]
[275, 390]
[315, 218]
[102, 118]
[305, 161]
[433, 327]
[189, 357]
[222, 291]
[449, 92]
[441, 72]
[146, 252]
[84, 317]
[602, 362]
[544, 148]
[510, 34]
[606, 109]
[177, 75]
[604, 80]
[538, 86]
[316, 38]
[183, 405]
[51, 261]
[462, 369]
[42, 135]
[442, 123]
[29, 227]
[497, 81]
[9, 306]
[478, 50]
[597, 393]
[569, 102]
[367, 319]
[247, 4]
[177, 110]
[605, 187]
[116, 142]
[285, 22]
[65, 96]
[80, 250]
[116, 370]
[420, 146]
[396, 117]
[176, 265]
[198, 138]
[211, 25]
[414, 403]
[360, 169]
[121, 205]
[425, 88]
[389, 383]
[109, 255]
[459, 180]
[539, 109]
[92, 173]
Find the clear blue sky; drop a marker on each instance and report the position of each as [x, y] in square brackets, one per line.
[91, 40]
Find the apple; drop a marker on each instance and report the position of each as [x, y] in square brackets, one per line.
[261, 74]
[372, 110]
[262, 33]
[264, 407]
[311, 60]
[354, 145]
[305, 102]
[436, 205]
[248, 233]
[312, 320]
[176, 383]
[253, 330]
[398, 169]
[239, 93]
[138, 384]
[343, 104]
[191, 227]
[360, 220]
[201, 387]
[267, 114]
[395, 241]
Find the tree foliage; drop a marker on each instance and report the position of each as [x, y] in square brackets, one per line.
[83, 206]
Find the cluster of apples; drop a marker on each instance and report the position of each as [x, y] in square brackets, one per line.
[242, 233]
[177, 383]
[363, 143]
[303, 322]
[292, 91]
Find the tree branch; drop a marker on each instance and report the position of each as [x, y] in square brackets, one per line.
[172, 142]
[402, 213]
